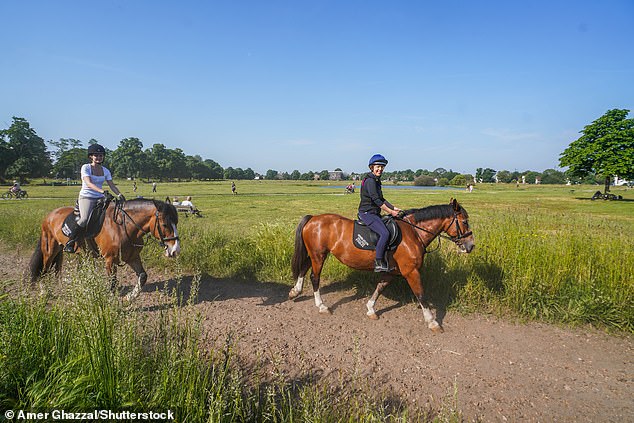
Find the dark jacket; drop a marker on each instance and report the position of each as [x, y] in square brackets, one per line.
[372, 195]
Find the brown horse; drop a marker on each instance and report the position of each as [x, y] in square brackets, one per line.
[120, 240]
[316, 236]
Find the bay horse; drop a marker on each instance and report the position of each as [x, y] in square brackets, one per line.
[120, 240]
[317, 236]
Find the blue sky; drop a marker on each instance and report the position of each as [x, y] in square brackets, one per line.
[313, 85]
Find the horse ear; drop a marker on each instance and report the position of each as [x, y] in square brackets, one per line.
[455, 204]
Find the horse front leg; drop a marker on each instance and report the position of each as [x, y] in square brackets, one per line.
[385, 281]
[137, 266]
[111, 273]
[415, 283]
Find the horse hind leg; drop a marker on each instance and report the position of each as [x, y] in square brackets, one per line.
[299, 285]
[317, 265]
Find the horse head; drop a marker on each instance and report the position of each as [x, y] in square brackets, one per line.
[164, 228]
[458, 228]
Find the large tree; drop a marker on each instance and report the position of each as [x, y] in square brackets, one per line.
[605, 149]
[24, 152]
[128, 159]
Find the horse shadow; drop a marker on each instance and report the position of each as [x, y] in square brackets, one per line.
[191, 290]
[441, 283]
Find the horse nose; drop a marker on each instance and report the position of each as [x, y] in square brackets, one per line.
[173, 250]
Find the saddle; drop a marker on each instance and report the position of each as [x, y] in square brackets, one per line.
[94, 224]
[365, 238]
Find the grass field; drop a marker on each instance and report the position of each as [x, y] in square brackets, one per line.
[543, 252]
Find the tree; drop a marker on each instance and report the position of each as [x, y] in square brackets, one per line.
[128, 159]
[68, 164]
[424, 181]
[485, 175]
[553, 176]
[26, 154]
[504, 176]
[216, 171]
[606, 148]
[271, 174]
[459, 181]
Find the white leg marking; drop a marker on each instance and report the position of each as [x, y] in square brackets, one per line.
[319, 303]
[370, 306]
[429, 316]
[297, 289]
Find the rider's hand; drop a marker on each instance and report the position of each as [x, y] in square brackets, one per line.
[121, 197]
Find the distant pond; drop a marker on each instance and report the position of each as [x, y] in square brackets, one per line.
[398, 187]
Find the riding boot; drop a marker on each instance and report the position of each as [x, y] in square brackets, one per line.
[72, 239]
[380, 265]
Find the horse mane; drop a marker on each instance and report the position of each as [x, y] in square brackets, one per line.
[439, 211]
[167, 210]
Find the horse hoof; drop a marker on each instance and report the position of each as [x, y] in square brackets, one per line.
[436, 328]
[293, 294]
[372, 316]
[324, 310]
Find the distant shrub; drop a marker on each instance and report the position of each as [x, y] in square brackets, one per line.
[442, 182]
[458, 181]
[424, 181]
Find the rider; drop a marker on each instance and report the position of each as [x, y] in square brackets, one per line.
[372, 202]
[93, 175]
[16, 187]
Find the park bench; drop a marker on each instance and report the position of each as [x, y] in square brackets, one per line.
[188, 210]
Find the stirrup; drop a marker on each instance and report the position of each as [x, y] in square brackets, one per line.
[380, 265]
[70, 246]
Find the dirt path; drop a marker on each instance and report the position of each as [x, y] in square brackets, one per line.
[495, 370]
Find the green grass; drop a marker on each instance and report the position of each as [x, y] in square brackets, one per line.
[543, 252]
[83, 351]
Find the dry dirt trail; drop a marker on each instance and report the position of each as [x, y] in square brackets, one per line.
[498, 370]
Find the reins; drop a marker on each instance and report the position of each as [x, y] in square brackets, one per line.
[120, 211]
[438, 235]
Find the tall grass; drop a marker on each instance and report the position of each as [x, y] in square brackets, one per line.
[82, 350]
[542, 252]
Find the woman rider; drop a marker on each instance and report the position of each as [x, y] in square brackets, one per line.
[93, 175]
[372, 202]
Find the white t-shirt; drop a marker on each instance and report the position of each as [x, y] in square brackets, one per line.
[86, 170]
[187, 203]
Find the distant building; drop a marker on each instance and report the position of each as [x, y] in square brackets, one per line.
[335, 175]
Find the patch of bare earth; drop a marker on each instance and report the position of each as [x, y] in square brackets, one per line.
[490, 369]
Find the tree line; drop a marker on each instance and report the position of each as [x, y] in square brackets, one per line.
[605, 149]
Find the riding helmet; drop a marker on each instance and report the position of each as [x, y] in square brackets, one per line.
[377, 159]
[96, 149]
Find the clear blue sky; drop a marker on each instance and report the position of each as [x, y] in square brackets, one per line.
[313, 85]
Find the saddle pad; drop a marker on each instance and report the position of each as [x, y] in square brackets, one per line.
[365, 238]
[95, 221]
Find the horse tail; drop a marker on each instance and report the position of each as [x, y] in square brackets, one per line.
[301, 259]
[36, 265]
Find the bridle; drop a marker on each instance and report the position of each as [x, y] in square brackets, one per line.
[457, 239]
[119, 210]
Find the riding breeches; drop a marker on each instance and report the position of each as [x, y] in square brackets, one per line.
[375, 223]
[85, 207]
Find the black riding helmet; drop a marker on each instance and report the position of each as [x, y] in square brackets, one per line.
[96, 149]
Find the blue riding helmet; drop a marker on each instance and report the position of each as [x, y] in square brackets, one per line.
[377, 159]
